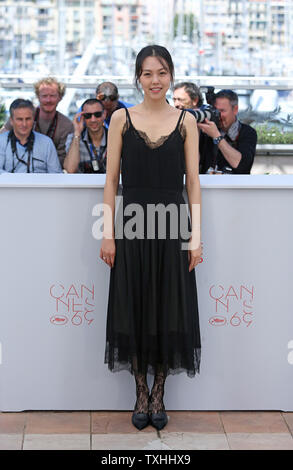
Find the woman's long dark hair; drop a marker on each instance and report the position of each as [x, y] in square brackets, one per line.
[161, 53]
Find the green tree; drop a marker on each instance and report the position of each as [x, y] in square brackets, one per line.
[2, 114]
[189, 26]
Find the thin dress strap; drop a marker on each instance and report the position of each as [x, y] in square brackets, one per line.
[127, 123]
[180, 126]
[128, 116]
[181, 117]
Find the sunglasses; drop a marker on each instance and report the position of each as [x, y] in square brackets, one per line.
[97, 114]
[104, 97]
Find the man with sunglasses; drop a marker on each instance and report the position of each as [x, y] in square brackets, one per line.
[231, 147]
[107, 92]
[23, 150]
[87, 147]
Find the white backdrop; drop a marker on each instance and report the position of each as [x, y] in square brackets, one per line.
[54, 294]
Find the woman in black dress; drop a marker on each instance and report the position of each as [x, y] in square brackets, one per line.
[152, 320]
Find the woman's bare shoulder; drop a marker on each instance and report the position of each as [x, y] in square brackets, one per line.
[175, 113]
[118, 120]
[189, 119]
[174, 110]
[136, 109]
[190, 124]
[118, 115]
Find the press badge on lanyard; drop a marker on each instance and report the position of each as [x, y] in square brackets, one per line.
[95, 157]
[94, 160]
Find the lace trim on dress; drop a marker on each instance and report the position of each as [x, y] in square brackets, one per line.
[125, 127]
[143, 135]
[118, 358]
[149, 142]
[182, 130]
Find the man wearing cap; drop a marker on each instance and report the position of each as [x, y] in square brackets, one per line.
[231, 147]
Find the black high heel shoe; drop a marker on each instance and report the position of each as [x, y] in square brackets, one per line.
[159, 420]
[140, 420]
[140, 417]
[157, 413]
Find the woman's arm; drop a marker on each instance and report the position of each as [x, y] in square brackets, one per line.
[193, 188]
[114, 147]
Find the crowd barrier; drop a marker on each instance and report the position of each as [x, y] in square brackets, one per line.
[54, 291]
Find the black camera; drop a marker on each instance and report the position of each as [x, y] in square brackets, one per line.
[207, 111]
[209, 92]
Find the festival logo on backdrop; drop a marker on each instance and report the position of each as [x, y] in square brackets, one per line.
[73, 304]
[232, 305]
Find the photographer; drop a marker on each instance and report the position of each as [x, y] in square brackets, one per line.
[186, 95]
[87, 146]
[47, 120]
[23, 150]
[229, 148]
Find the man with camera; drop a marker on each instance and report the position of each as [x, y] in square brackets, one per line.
[23, 150]
[187, 95]
[47, 120]
[228, 147]
[87, 146]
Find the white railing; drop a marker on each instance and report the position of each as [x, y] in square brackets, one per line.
[127, 81]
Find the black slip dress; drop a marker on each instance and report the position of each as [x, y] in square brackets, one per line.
[152, 317]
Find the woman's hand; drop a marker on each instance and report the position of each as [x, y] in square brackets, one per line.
[194, 256]
[108, 250]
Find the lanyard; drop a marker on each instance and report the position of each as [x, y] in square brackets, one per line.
[92, 151]
[52, 128]
[20, 160]
[28, 149]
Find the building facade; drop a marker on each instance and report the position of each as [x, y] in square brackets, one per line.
[41, 30]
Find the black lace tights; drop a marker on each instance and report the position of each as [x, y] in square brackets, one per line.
[157, 394]
[154, 403]
[142, 394]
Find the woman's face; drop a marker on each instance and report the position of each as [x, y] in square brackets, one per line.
[155, 78]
